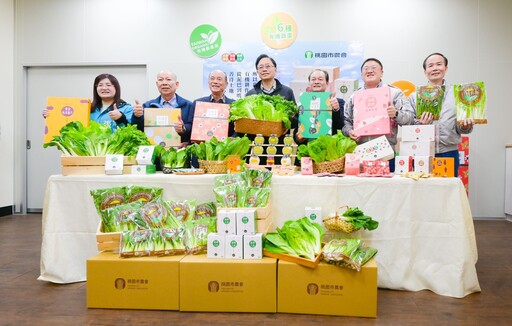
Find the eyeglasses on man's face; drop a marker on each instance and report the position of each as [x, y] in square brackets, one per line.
[370, 68]
[266, 67]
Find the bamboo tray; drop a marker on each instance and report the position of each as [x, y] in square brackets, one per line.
[294, 259]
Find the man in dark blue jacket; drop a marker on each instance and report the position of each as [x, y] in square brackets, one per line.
[167, 84]
[217, 82]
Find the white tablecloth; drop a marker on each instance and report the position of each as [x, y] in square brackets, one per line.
[425, 239]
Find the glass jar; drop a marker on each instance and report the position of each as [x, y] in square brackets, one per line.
[273, 140]
[286, 160]
[270, 160]
[271, 150]
[288, 140]
[258, 150]
[287, 150]
[254, 160]
[259, 139]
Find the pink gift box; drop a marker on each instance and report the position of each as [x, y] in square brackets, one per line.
[210, 119]
[376, 167]
[306, 166]
[371, 112]
[352, 164]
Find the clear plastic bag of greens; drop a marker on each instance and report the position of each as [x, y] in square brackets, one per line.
[183, 210]
[258, 178]
[108, 197]
[470, 102]
[228, 196]
[125, 217]
[196, 234]
[136, 243]
[168, 242]
[229, 179]
[142, 194]
[349, 253]
[255, 197]
[208, 209]
[156, 215]
[429, 99]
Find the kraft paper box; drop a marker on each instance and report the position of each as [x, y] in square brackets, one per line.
[159, 126]
[403, 164]
[423, 164]
[315, 114]
[419, 133]
[327, 290]
[443, 167]
[303, 72]
[371, 111]
[375, 149]
[228, 285]
[61, 111]
[417, 148]
[352, 164]
[344, 88]
[163, 136]
[210, 119]
[161, 117]
[133, 283]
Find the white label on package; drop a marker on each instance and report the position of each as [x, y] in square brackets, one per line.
[253, 248]
[315, 103]
[212, 113]
[226, 221]
[216, 245]
[234, 246]
[162, 120]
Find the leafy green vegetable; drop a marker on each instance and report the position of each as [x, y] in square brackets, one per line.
[196, 234]
[357, 218]
[215, 150]
[263, 107]
[98, 140]
[429, 99]
[348, 253]
[173, 158]
[327, 148]
[297, 237]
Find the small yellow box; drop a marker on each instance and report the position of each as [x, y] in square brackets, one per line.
[227, 285]
[61, 111]
[133, 283]
[327, 290]
[443, 167]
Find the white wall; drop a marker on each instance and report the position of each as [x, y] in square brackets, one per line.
[7, 107]
[473, 34]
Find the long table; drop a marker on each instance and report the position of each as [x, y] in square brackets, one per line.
[425, 239]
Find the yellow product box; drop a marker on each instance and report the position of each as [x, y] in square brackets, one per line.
[227, 285]
[133, 283]
[443, 167]
[61, 111]
[161, 117]
[327, 290]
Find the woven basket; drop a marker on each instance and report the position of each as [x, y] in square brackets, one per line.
[338, 165]
[214, 167]
[336, 223]
[263, 127]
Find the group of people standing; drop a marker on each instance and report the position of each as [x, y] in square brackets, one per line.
[108, 107]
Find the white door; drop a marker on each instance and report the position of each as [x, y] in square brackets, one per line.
[75, 81]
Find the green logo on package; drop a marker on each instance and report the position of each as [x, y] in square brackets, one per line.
[226, 220]
[308, 54]
[233, 244]
[145, 150]
[205, 40]
[114, 159]
[312, 217]
[252, 243]
[245, 220]
[344, 89]
[216, 243]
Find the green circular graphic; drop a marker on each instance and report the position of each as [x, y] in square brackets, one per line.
[233, 244]
[245, 220]
[252, 243]
[216, 243]
[205, 40]
[226, 220]
[313, 216]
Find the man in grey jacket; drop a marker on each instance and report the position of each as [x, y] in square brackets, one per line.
[448, 131]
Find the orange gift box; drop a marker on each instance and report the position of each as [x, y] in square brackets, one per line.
[443, 167]
[61, 111]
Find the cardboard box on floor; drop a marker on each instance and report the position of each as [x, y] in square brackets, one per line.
[227, 285]
[133, 283]
[327, 290]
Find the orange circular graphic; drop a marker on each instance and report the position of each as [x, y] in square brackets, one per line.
[279, 30]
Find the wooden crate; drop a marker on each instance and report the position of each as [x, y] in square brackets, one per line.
[107, 241]
[72, 165]
[310, 263]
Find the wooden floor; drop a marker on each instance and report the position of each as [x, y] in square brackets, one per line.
[26, 301]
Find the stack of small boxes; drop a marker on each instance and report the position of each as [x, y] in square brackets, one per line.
[145, 158]
[418, 144]
[236, 236]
